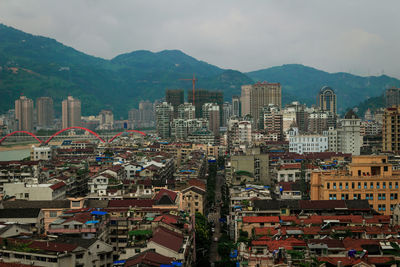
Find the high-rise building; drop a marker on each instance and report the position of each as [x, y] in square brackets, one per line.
[236, 106]
[211, 112]
[133, 118]
[259, 95]
[71, 112]
[320, 121]
[146, 113]
[186, 111]
[181, 128]
[226, 113]
[391, 130]
[272, 121]
[164, 116]
[24, 113]
[175, 98]
[326, 100]
[245, 99]
[347, 137]
[45, 112]
[106, 118]
[392, 97]
[205, 96]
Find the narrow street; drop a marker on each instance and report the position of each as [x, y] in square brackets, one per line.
[214, 217]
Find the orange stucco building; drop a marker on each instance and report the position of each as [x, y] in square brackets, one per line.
[367, 177]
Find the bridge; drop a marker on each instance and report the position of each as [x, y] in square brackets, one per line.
[46, 139]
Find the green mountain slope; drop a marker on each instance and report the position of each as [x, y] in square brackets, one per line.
[305, 82]
[39, 66]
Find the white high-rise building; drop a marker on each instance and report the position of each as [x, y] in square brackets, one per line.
[164, 116]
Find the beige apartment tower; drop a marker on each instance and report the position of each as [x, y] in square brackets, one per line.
[259, 95]
[24, 113]
[44, 111]
[71, 112]
[391, 130]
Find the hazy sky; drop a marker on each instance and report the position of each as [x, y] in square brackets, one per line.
[360, 36]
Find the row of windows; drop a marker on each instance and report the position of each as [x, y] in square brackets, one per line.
[370, 196]
[363, 185]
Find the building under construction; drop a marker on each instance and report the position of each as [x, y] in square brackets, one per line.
[202, 96]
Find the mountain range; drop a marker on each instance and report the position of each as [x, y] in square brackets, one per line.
[39, 66]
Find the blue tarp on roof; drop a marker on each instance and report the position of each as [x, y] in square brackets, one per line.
[97, 212]
[116, 262]
[91, 222]
[187, 171]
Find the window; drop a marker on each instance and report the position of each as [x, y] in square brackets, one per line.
[383, 196]
[334, 185]
[53, 213]
[384, 185]
[328, 185]
[26, 195]
[347, 185]
[396, 185]
[385, 168]
[359, 185]
[76, 204]
[371, 185]
[332, 196]
[352, 185]
[390, 185]
[365, 185]
[377, 185]
[340, 186]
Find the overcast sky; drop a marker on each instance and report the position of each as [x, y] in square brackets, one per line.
[360, 36]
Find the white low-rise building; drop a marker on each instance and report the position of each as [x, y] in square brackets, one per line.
[308, 143]
[36, 191]
[41, 153]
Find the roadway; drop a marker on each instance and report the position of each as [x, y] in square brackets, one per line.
[214, 217]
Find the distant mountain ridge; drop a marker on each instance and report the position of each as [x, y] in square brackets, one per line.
[40, 66]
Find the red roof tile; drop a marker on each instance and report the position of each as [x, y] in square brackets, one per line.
[167, 238]
[57, 186]
[148, 258]
[171, 194]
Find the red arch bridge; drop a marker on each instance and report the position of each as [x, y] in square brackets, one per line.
[70, 128]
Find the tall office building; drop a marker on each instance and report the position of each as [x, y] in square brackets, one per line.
[392, 97]
[391, 130]
[164, 116]
[205, 96]
[211, 112]
[44, 112]
[236, 106]
[259, 95]
[71, 112]
[175, 98]
[24, 113]
[326, 100]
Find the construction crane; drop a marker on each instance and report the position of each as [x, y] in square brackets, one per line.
[193, 82]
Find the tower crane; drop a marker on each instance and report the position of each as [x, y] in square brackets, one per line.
[193, 82]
